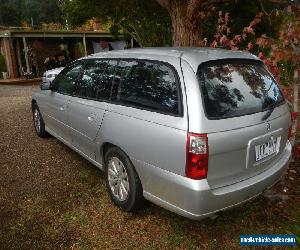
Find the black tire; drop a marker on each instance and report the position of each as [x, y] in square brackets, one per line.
[36, 115]
[134, 199]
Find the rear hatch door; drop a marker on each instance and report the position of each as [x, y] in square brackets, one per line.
[246, 119]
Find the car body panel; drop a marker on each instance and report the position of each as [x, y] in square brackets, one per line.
[231, 140]
[236, 161]
[139, 137]
[84, 123]
[54, 109]
[156, 142]
[195, 199]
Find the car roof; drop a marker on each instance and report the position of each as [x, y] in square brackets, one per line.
[193, 55]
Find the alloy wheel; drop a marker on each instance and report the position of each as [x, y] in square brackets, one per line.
[118, 179]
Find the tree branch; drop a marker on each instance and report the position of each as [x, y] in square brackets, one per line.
[262, 7]
[211, 2]
[264, 11]
[133, 34]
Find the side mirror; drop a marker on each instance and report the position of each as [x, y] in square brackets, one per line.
[45, 86]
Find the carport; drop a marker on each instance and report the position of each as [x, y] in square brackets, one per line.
[26, 50]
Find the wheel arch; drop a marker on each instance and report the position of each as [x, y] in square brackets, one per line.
[33, 102]
[106, 146]
[138, 200]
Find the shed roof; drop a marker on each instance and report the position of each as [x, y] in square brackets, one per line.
[54, 33]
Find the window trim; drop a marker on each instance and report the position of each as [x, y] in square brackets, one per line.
[177, 81]
[229, 60]
[67, 68]
[83, 62]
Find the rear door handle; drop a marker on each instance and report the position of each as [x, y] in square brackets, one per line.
[61, 108]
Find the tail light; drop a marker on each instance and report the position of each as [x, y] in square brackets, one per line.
[196, 156]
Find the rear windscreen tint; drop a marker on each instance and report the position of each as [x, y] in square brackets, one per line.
[237, 87]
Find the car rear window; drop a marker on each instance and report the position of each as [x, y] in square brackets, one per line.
[233, 88]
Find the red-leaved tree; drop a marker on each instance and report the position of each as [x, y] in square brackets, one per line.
[274, 53]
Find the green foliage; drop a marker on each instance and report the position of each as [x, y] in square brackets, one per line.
[40, 11]
[242, 13]
[8, 13]
[144, 20]
[14, 12]
[150, 24]
[286, 72]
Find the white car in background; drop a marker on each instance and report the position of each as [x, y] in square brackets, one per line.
[50, 75]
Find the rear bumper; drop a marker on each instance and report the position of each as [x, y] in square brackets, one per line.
[196, 200]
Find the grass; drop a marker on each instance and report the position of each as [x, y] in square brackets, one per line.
[51, 198]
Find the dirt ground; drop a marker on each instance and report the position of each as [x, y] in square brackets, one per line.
[51, 198]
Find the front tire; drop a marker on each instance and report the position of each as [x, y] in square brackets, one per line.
[38, 121]
[122, 181]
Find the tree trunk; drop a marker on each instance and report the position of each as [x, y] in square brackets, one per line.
[184, 33]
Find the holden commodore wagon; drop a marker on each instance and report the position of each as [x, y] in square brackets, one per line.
[193, 130]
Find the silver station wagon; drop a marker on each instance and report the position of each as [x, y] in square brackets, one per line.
[193, 130]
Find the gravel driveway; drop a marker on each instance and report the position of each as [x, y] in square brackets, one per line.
[51, 198]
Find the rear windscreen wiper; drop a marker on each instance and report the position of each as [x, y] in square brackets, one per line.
[269, 112]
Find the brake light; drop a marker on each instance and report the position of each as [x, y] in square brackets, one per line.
[196, 156]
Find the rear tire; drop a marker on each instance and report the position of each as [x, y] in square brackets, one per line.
[123, 183]
[38, 121]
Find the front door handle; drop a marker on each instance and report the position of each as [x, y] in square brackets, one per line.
[61, 108]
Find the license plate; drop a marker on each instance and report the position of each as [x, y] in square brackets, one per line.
[268, 148]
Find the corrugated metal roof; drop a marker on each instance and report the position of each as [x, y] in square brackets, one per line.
[54, 33]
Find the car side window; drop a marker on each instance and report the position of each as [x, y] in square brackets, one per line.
[97, 79]
[122, 71]
[149, 85]
[65, 82]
